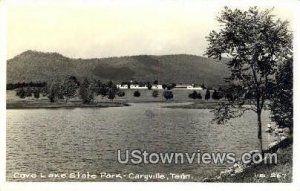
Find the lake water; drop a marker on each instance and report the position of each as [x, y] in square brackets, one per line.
[87, 139]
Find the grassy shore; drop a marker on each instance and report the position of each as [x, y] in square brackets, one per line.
[71, 104]
[281, 172]
[180, 96]
[197, 105]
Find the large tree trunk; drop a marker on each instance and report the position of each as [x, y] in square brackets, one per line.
[259, 131]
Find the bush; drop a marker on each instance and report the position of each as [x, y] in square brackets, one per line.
[195, 95]
[121, 94]
[111, 94]
[149, 85]
[36, 94]
[28, 92]
[168, 94]
[155, 93]
[136, 94]
[20, 93]
[85, 92]
[216, 95]
[207, 95]
[281, 102]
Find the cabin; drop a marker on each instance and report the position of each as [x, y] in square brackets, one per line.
[138, 87]
[193, 87]
[122, 86]
[157, 87]
[181, 86]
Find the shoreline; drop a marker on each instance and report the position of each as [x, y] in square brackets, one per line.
[258, 173]
[45, 104]
[61, 105]
[180, 100]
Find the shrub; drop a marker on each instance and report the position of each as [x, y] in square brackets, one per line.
[21, 93]
[28, 92]
[85, 92]
[207, 95]
[195, 95]
[36, 94]
[216, 95]
[121, 94]
[149, 85]
[168, 94]
[136, 94]
[111, 94]
[155, 93]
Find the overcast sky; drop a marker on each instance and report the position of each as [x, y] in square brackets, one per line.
[86, 29]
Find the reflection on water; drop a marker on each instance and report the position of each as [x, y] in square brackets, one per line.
[87, 139]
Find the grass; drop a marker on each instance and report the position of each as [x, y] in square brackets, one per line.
[281, 172]
[180, 96]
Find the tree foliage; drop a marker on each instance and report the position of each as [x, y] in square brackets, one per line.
[257, 43]
[195, 95]
[136, 93]
[121, 93]
[86, 92]
[155, 93]
[216, 95]
[207, 95]
[281, 104]
[70, 86]
[21, 93]
[168, 94]
[55, 91]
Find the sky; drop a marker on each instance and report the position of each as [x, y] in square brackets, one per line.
[90, 29]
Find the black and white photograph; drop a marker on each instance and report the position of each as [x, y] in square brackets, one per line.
[149, 91]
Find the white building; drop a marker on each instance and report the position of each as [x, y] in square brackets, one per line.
[137, 87]
[192, 87]
[122, 86]
[157, 87]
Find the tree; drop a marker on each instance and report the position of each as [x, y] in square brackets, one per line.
[155, 93]
[256, 44]
[164, 86]
[168, 94]
[85, 92]
[155, 82]
[111, 94]
[207, 95]
[193, 95]
[44, 91]
[36, 93]
[103, 91]
[121, 93]
[70, 86]
[199, 96]
[21, 93]
[136, 93]
[173, 85]
[216, 95]
[149, 86]
[281, 103]
[28, 92]
[128, 85]
[55, 91]
[141, 84]
[111, 90]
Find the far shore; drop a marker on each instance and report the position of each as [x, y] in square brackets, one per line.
[180, 100]
[69, 105]
[196, 105]
[44, 104]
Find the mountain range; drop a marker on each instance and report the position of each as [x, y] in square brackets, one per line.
[178, 68]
